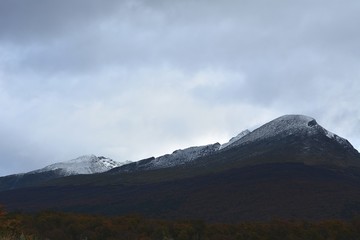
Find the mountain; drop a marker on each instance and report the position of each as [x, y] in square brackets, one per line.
[87, 164]
[293, 126]
[291, 167]
[290, 138]
[298, 136]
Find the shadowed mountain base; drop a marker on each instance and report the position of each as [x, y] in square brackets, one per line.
[263, 192]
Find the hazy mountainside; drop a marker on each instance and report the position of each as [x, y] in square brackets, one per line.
[87, 164]
[290, 167]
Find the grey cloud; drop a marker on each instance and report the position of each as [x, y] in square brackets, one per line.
[229, 34]
[42, 21]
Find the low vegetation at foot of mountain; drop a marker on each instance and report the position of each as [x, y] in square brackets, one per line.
[55, 225]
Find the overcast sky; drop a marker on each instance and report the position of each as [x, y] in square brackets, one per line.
[134, 79]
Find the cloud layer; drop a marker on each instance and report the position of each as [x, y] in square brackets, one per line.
[132, 79]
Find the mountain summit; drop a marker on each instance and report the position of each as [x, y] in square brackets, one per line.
[288, 125]
[298, 138]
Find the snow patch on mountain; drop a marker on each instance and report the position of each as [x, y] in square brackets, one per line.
[330, 134]
[340, 140]
[87, 164]
[183, 156]
[178, 157]
[288, 124]
[234, 139]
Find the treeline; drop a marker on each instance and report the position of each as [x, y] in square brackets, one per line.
[54, 225]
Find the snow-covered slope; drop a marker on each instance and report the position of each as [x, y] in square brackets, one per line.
[186, 155]
[87, 164]
[177, 158]
[183, 156]
[288, 125]
[235, 139]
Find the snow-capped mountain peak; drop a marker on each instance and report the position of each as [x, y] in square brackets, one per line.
[87, 164]
[288, 125]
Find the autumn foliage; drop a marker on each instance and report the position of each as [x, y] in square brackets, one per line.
[2, 211]
[52, 225]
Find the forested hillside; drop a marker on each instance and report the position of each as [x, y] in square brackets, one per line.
[56, 226]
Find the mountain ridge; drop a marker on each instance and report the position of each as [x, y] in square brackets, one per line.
[291, 124]
[289, 167]
[301, 134]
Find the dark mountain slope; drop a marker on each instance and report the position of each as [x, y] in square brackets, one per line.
[288, 190]
[27, 180]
